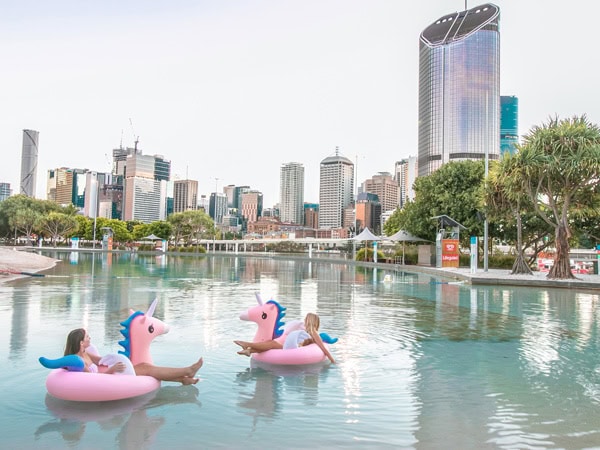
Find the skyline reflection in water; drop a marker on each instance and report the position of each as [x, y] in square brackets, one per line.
[421, 363]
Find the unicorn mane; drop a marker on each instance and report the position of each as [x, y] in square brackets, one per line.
[279, 324]
[126, 332]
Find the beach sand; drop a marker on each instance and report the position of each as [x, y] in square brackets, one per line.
[13, 262]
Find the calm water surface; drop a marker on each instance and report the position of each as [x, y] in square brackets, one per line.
[422, 363]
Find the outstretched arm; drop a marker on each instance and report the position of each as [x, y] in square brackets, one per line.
[317, 340]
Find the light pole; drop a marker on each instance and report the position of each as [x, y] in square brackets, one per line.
[95, 192]
[355, 209]
[485, 223]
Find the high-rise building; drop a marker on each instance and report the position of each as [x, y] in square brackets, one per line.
[311, 215]
[336, 190]
[29, 157]
[509, 124]
[185, 195]
[5, 191]
[386, 188]
[459, 88]
[251, 205]
[229, 190]
[368, 212]
[145, 188]
[291, 193]
[217, 207]
[405, 174]
[66, 186]
[98, 200]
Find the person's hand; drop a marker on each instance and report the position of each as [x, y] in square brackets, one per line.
[117, 368]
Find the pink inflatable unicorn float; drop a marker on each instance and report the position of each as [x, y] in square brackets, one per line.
[269, 318]
[68, 381]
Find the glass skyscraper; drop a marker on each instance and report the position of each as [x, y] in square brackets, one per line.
[459, 88]
[509, 124]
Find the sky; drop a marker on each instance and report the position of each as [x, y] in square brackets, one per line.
[228, 91]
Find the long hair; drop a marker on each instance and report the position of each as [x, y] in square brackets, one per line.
[311, 322]
[74, 341]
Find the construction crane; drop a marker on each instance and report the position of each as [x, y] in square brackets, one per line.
[136, 139]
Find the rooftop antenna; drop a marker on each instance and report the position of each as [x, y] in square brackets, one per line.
[337, 151]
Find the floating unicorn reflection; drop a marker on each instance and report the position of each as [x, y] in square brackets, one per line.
[269, 318]
[69, 381]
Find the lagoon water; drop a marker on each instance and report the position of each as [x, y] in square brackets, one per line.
[422, 363]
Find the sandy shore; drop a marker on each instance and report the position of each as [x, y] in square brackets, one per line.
[14, 262]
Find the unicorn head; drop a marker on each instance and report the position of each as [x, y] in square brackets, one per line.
[139, 330]
[268, 316]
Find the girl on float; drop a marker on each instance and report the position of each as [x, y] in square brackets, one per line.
[78, 342]
[295, 339]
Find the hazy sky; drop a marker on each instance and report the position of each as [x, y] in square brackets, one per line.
[231, 90]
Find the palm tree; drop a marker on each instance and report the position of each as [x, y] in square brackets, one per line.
[559, 164]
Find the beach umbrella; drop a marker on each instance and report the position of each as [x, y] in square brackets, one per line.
[404, 236]
[367, 235]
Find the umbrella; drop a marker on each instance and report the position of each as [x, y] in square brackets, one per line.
[153, 237]
[404, 236]
[366, 235]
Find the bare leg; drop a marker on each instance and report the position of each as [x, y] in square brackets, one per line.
[184, 375]
[257, 347]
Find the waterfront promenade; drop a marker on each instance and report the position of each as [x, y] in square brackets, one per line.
[19, 263]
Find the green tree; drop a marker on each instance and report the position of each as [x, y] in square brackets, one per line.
[12, 205]
[559, 163]
[453, 190]
[505, 201]
[191, 226]
[57, 225]
[26, 222]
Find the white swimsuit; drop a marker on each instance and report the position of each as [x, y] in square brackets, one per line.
[295, 338]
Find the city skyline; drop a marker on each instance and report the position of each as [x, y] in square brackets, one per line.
[235, 90]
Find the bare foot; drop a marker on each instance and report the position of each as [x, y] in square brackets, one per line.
[247, 351]
[186, 381]
[195, 368]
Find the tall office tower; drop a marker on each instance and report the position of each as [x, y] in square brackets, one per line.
[291, 193]
[509, 124]
[217, 206]
[145, 191]
[162, 168]
[5, 191]
[66, 186]
[459, 88]
[229, 190]
[368, 212]
[386, 188]
[97, 198]
[238, 191]
[251, 205]
[406, 173]
[29, 157]
[185, 195]
[336, 190]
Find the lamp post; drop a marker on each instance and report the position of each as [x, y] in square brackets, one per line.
[355, 209]
[95, 192]
[485, 223]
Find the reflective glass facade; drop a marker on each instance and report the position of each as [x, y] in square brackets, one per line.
[459, 88]
[509, 124]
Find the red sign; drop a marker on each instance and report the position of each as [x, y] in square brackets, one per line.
[450, 252]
